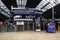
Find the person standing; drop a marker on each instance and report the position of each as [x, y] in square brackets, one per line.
[1, 25]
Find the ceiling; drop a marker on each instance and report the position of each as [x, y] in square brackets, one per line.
[2, 17]
[44, 5]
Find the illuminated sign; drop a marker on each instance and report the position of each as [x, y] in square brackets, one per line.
[25, 11]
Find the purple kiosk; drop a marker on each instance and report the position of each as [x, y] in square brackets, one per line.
[51, 28]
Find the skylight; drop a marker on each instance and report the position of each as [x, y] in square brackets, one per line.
[47, 4]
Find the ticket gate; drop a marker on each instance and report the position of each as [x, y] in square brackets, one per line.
[24, 24]
[29, 25]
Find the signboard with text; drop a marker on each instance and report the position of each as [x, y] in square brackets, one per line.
[25, 11]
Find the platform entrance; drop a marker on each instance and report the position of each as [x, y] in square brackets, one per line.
[26, 19]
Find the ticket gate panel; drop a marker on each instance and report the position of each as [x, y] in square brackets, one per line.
[28, 25]
[19, 28]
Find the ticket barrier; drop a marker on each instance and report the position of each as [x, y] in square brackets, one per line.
[24, 24]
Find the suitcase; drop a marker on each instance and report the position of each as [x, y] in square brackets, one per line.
[51, 28]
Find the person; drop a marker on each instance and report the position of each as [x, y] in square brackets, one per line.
[1, 25]
[37, 23]
[6, 25]
[46, 27]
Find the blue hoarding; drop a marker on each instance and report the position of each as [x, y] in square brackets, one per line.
[51, 28]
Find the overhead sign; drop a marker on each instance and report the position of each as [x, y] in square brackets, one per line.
[25, 11]
[19, 23]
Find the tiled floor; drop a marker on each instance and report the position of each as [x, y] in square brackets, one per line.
[29, 36]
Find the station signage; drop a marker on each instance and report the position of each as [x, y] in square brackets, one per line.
[25, 11]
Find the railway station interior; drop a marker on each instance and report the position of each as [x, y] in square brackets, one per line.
[29, 19]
